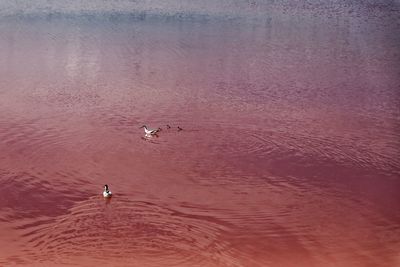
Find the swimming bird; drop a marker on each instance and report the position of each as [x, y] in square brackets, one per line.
[106, 192]
[150, 132]
[179, 129]
[168, 126]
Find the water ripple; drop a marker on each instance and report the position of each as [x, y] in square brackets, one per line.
[138, 230]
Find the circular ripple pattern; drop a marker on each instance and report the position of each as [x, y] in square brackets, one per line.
[140, 232]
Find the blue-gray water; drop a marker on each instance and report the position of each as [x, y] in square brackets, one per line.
[247, 9]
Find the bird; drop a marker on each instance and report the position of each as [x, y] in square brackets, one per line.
[179, 129]
[150, 132]
[168, 126]
[106, 193]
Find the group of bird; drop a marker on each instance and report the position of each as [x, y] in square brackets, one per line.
[148, 133]
[151, 132]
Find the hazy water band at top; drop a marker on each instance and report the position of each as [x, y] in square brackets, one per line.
[248, 9]
[289, 154]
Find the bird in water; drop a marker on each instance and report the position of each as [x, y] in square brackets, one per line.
[150, 132]
[106, 193]
[178, 128]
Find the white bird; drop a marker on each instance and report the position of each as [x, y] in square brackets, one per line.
[106, 192]
[150, 132]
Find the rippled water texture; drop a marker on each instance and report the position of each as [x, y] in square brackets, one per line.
[289, 153]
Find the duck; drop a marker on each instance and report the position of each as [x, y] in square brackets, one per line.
[106, 193]
[150, 132]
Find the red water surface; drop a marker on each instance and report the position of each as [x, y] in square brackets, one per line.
[289, 153]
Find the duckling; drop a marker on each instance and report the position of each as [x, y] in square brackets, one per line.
[106, 193]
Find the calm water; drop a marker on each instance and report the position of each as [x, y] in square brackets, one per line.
[289, 154]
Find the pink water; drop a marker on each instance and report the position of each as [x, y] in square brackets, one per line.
[289, 154]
